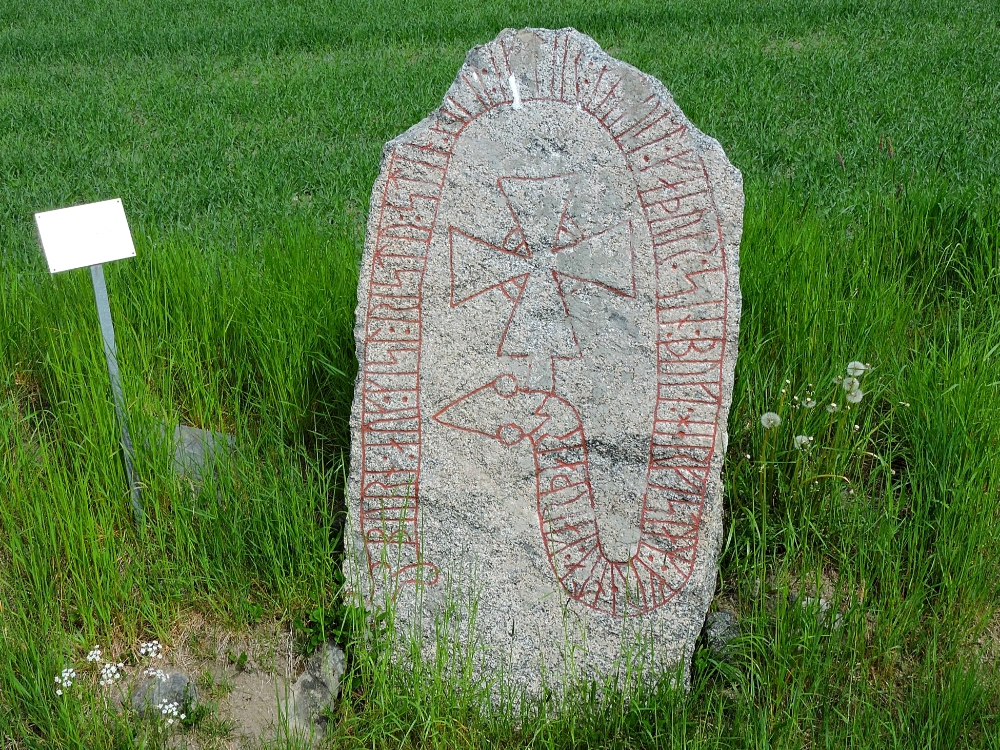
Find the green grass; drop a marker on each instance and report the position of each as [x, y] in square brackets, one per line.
[244, 139]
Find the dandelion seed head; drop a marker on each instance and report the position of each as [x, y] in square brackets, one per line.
[769, 419]
[802, 441]
[855, 396]
[851, 384]
[832, 407]
[838, 380]
[856, 369]
[809, 403]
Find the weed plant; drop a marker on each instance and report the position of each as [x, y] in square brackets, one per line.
[244, 137]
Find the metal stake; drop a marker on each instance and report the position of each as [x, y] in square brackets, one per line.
[110, 353]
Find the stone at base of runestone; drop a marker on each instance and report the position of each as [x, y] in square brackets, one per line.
[316, 689]
[721, 628]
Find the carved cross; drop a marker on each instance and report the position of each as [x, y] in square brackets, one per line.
[537, 265]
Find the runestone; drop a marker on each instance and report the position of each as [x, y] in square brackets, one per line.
[547, 321]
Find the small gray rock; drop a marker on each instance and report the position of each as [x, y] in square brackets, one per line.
[720, 629]
[329, 664]
[153, 693]
[823, 608]
[317, 688]
[195, 450]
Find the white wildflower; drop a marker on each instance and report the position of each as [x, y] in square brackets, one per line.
[171, 711]
[157, 673]
[802, 441]
[856, 369]
[769, 419]
[855, 396]
[65, 680]
[111, 673]
[152, 649]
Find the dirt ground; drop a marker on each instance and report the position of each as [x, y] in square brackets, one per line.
[243, 682]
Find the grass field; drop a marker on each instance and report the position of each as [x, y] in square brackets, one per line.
[244, 138]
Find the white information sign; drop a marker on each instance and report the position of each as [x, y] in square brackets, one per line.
[85, 235]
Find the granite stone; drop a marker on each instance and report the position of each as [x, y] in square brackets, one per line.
[547, 322]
